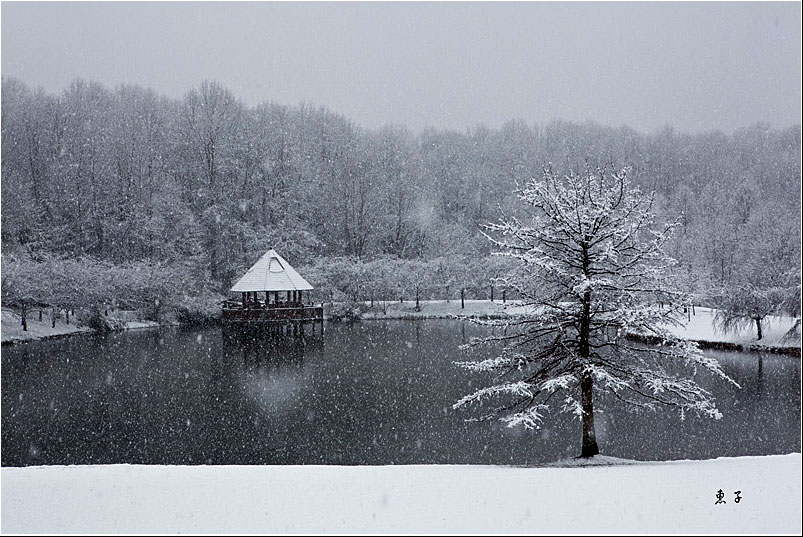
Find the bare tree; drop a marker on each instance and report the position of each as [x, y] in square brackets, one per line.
[211, 117]
[210, 113]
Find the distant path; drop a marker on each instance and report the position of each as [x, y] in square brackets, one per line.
[443, 309]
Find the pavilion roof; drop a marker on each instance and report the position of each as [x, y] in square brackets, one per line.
[271, 273]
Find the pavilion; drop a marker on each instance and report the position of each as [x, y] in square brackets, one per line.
[273, 292]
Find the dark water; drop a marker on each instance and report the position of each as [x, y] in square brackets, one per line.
[367, 393]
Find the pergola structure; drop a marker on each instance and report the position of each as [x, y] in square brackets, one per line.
[271, 291]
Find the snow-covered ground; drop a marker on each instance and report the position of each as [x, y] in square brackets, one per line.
[672, 497]
[701, 328]
[11, 329]
[137, 325]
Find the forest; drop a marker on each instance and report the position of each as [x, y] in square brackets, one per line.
[127, 197]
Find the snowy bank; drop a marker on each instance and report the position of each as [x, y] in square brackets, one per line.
[673, 497]
[11, 329]
[12, 332]
[701, 328]
[697, 327]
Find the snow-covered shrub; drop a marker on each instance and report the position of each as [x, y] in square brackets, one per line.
[346, 311]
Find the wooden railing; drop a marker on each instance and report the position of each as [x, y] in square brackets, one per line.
[236, 313]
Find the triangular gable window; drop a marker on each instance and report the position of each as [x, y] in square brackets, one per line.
[275, 265]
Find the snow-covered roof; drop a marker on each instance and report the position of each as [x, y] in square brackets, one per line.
[271, 273]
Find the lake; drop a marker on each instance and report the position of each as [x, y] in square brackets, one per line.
[375, 392]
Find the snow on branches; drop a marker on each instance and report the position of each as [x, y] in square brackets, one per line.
[592, 266]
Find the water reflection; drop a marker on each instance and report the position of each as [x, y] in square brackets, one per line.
[760, 375]
[366, 393]
[272, 374]
[255, 347]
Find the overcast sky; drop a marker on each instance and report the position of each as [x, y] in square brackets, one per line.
[697, 66]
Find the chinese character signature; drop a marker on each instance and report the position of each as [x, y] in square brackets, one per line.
[721, 496]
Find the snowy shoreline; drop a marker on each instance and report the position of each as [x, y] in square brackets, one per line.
[631, 497]
[12, 332]
[724, 345]
[700, 329]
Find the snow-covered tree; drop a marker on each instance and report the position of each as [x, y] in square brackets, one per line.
[594, 270]
[766, 280]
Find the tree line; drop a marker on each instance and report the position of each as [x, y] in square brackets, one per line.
[200, 187]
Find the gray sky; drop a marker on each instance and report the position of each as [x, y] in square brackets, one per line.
[697, 66]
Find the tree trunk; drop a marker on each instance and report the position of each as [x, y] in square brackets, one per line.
[758, 327]
[590, 447]
[462, 299]
[213, 260]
